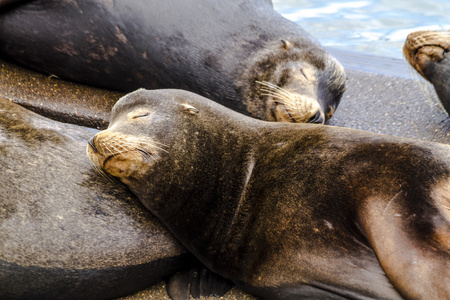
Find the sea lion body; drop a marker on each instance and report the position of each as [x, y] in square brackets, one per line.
[286, 210]
[219, 50]
[66, 232]
[428, 53]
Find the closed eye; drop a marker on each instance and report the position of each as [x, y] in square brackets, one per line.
[141, 115]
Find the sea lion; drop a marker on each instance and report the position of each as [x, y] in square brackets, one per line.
[286, 210]
[57, 99]
[239, 53]
[428, 53]
[65, 231]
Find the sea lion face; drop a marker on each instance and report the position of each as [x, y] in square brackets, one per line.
[299, 85]
[124, 150]
[123, 155]
[297, 100]
[423, 48]
[143, 128]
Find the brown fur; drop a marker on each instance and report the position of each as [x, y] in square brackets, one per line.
[265, 63]
[293, 210]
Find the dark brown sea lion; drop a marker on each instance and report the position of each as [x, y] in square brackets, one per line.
[240, 53]
[428, 53]
[57, 99]
[286, 210]
[65, 231]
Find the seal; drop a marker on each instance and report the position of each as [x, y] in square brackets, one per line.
[427, 52]
[57, 99]
[286, 210]
[66, 232]
[241, 53]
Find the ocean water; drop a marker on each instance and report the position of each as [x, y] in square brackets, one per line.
[377, 27]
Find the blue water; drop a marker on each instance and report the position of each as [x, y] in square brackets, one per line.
[376, 27]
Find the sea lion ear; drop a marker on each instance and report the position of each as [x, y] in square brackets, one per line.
[190, 109]
[286, 44]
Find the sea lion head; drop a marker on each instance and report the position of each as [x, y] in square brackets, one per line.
[428, 53]
[295, 83]
[169, 147]
[422, 49]
[125, 150]
[152, 134]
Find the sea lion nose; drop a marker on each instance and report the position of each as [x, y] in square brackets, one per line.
[317, 118]
[92, 144]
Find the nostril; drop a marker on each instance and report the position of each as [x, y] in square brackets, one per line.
[92, 144]
[317, 118]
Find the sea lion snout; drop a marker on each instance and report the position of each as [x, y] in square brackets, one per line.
[427, 52]
[308, 112]
[303, 86]
[292, 107]
[122, 155]
[422, 47]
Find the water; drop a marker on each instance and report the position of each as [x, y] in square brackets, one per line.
[377, 27]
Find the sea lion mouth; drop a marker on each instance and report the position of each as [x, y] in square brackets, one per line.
[290, 107]
[123, 155]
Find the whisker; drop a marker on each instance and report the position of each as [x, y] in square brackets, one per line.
[102, 173]
[292, 102]
[103, 146]
[118, 144]
[280, 99]
[275, 87]
[276, 93]
[137, 140]
[147, 155]
[117, 150]
[132, 145]
[160, 148]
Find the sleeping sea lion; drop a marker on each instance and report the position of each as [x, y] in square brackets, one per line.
[240, 53]
[286, 210]
[65, 231]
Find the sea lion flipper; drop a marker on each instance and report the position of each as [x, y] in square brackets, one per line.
[411, 242]
[197, 282]
[212, 284]
[178, 286]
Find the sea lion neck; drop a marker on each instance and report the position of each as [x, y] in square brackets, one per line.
[209, 182]
[435, 73]
[199, 173]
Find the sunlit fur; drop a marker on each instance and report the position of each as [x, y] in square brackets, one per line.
[423, 46]
[419, 39]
